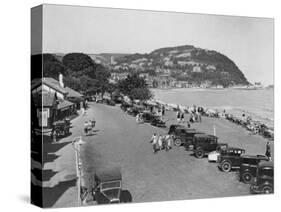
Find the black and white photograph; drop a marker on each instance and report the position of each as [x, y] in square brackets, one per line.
[133, 106]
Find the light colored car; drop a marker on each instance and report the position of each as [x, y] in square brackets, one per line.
[214, 155]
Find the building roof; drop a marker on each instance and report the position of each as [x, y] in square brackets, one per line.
[49, 82]
[72, 93]
[64, 104]
[56, 86]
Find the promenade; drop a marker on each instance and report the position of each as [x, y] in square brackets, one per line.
[119, 141]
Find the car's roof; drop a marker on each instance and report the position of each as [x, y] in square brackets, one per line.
[234, 148]
[266, 164]
[254, 156]
[202, 135]
[108, 174]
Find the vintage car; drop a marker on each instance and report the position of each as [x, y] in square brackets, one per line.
[124, 106]
[264, 182]
[230, 158]
[214, 155]
[175, 126]
[156, 121]
[148, 117]
[248, 167]
[226, 164]
[203, 144]
[184, 136]
[108, 186]
[61, 128]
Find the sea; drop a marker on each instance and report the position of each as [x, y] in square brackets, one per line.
[259, 104]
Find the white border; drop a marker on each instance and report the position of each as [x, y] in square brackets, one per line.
[15, 56]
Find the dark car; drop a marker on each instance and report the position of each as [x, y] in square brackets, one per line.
[156, 121]
[203, 144]
[184, 136]
[173, 127]
[148, 117]
[264, 182]
[248, 167]
[108, 186]
[230, 158]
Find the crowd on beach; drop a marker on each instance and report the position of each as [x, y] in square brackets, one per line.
[196, 113]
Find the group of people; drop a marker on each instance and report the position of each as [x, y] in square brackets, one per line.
[161, 142]
[88, 126]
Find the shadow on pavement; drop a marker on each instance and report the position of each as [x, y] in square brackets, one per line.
[51, 195]
[45, 175]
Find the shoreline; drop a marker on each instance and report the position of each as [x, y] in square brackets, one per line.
[263, 114]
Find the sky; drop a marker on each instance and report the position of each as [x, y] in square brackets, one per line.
[249, 42]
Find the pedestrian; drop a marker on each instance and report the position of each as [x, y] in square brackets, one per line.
[154, 141]
[163, 110]
[160, 142]
[200, 117]
[93, 123]
[168, 142]
[178, 116]
[188, 124]
[268, 150]
[182, 117]
[86, 127]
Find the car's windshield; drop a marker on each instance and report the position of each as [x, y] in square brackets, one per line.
[111, 184]
[265, 172]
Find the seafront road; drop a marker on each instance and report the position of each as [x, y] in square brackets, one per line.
[174, 175]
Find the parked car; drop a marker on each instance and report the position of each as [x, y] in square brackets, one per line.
[230, 158]
[214, 155]
[61, 128]
[148, 117]
[264, 182]
[184, 136]
[203, 144]
[156, 121]
[248, 167]
[108, 186]
[124, 106]
[175, 126]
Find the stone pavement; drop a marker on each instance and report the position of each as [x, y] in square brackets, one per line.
[59, 169]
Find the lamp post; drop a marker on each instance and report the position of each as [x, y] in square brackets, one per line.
[76, 146]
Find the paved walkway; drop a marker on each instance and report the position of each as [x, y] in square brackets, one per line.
[173, 175]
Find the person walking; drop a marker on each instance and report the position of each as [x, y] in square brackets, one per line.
[168, 142]
[154, 141]
[268, 150]
[160, 142]
[178, 116]
[182, 117]
[163, 110]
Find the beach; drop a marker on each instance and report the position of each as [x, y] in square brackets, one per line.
[259, 104]
[174, 175]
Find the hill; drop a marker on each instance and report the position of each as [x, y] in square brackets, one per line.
[185, 63]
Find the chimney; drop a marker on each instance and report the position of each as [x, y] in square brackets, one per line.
[61, 80]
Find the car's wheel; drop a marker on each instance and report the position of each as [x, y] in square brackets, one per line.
[247, 177]
[267, 189]
[199, 153]
[177, 142]
[226, 166]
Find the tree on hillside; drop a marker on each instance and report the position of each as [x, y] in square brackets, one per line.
[52, 67]
[135, 87]
[77, 62]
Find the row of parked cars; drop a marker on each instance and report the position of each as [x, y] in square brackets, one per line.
[146, 116]
[256, 170]
[254, 126]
